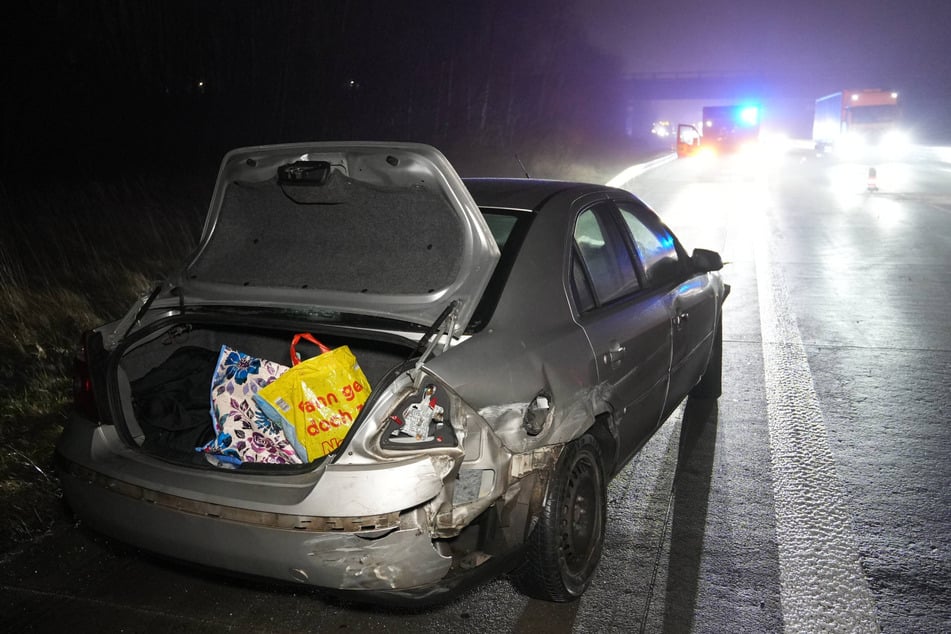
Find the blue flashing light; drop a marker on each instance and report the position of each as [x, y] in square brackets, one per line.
[749, 115]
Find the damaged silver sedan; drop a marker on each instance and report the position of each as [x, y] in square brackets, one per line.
[535, 334]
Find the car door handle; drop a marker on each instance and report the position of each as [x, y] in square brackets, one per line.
[614, 354]
[680, 318]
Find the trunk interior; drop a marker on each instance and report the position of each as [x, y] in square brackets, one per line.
[164, 380]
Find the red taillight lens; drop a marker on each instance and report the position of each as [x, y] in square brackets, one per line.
[83, 398]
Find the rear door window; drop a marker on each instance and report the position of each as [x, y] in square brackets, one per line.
[604, 260]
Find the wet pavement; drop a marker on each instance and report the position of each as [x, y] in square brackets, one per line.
[702, 531]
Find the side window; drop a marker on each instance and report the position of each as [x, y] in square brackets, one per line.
[655, 246]
[605, 258]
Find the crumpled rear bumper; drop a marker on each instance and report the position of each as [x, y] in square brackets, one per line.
[385, 549]
[402, 558]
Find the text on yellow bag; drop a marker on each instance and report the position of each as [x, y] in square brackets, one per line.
[316, 400]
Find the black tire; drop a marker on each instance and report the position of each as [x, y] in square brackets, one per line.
[564, 549]
[711, 383]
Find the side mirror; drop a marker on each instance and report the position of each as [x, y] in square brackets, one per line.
[704, 260]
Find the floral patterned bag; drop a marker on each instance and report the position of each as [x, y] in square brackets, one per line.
[242, 432]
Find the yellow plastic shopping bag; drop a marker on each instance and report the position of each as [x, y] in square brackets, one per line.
[317, 400]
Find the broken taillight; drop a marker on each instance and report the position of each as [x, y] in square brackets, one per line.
[83, 398]
[420, 422]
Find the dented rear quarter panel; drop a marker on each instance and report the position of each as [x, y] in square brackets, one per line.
[533, 342]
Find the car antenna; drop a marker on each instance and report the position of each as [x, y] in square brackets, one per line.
[522, 165]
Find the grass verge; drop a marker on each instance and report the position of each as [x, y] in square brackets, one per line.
[72, 256]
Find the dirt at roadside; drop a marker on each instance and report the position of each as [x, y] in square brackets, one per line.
[30, 495]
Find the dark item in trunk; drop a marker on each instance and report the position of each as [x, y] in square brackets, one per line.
[172, 402]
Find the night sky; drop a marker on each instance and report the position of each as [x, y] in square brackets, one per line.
[888, 39]
[190, 79]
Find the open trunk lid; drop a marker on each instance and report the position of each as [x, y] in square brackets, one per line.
[380, 229]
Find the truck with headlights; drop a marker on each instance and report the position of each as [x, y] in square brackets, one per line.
[723, 130]
[859, 122]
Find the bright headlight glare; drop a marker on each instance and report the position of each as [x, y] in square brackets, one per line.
[895, 138]
[853, 140]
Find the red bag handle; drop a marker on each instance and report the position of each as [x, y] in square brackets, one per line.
[306, 336]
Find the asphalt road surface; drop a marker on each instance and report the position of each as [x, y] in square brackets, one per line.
[812, 497]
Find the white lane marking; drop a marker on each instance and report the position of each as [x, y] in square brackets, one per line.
[637, 170]
[823, 588]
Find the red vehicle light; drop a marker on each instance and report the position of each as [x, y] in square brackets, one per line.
[83, 398]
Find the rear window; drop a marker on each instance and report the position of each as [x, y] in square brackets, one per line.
[509, 229]
[501, 224]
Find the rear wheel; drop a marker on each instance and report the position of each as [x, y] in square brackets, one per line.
[564, 548]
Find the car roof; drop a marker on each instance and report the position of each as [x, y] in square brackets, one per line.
[523, 193]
